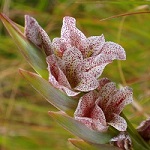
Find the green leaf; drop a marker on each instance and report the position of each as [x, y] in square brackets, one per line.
[21, 28]
[137, 140]
[57, 98]
[81, 130]
[33, 54]
[87, 146]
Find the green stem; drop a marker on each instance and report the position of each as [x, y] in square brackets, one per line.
[138, 141]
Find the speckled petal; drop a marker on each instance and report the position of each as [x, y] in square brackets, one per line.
[56, 72]
[87, 82]
[59, 45]
[94, 61]
[57, 77]
[120, 99]
[72, 59]
[107, 92]
[113, 50]
[98, 114]
[102, 82]
[109, 52]
[118, 123]
[97, 71]
[35, 33]
[72, 56]
[129, 95]
[92, 124]
[69, 92]
[73, 35]
[85, 104]
[95, 45]
[95, 64]
[97, 125]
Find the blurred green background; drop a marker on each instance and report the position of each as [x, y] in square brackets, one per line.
[24, 121]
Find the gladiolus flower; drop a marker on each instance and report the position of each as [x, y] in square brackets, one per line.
[100, 108]
[74, 62]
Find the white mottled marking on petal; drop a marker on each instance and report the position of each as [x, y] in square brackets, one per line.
[95, 45]
[98, 114]
[113, 50]
[121, 98]
[57, 78]
[118, 123]
[86, 102]
[73, 35]
[59, 46]
[97, 125]
[95, 64]
[97, 71]
[87, 82]
[102, 82]
[35, 34]
[69, 91]
[72, 59]
[107, 92]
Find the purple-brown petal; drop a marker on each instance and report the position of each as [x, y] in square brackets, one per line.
[118, 122]
[120, 99]
[102, 82]
[106, 93]
[72, 56]
[58, 78]
[35, 34]
[90, 114]
[86, 103]
[144, 129]
[56, 72]
[98, 114]
[97, 71]
[95, 64]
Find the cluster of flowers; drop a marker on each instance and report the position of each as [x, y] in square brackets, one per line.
[75, 64]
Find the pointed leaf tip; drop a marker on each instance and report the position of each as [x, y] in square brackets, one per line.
[6, 20]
